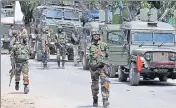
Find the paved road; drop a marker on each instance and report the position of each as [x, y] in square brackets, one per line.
[70, 88]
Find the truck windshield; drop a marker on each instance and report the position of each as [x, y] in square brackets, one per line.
[153, 37]
[163, 37]
[143, 36]
[71, 15]
[51, 13]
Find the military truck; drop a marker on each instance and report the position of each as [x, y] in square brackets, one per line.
[53, 15]
[112, 34]
[154, 43]
[85, 40]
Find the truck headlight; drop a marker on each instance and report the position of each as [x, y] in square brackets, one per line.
[172, 56]
[148, 56]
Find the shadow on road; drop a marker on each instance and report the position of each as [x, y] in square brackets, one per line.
[16, 93]
[89, 106]
[153, 83]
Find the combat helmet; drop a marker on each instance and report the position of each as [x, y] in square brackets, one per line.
[59, 28]
[95, 32]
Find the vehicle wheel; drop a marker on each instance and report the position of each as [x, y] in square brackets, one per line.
[85, 63]
[32, 56]
[174, 76]
[163, 78]
[111, 71]
[134, 76]
[70, 56]
[39, 56]
[122, 76]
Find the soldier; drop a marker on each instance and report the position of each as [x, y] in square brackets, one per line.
[19, 56]
[75, 41]
[23, 33]
[45, 40]
[61, 40]
[98, 52]
[15, 38]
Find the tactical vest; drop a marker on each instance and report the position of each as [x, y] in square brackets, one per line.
[61, 38]
[94, 50]
[21, 53]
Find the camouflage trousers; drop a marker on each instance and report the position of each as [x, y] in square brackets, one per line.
[24, 69]
[76, 56]
[61, 52]
[104, 80]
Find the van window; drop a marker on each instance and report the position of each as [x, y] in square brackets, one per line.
[115, 38]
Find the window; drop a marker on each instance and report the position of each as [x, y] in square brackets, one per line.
[54, 13]
[164, 37]
[142, 36]
[116, 37]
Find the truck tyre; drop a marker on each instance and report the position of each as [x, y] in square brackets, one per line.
[173, 75]
[111, 71]
[163, 78]
[32, 56]
[134, 76]
[39, 56]
[70, 56]
[122, 76]
[85, 63]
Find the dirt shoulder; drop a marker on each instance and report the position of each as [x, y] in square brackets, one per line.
[20, 100]
[17, 100]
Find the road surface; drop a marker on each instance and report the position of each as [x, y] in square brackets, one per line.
[70, 88]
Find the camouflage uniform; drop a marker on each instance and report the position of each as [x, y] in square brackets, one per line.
[45, 41]
[23, 34]
[19, 56]
[14, 39]
[61, 40]
[98, 52]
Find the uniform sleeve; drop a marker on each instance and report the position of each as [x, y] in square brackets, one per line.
[56, 37]
[66, 37]
[106, 47]
[88, 49]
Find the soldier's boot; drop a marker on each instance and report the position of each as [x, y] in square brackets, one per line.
[16, 85]
[26, 89]
[63, 64]
[95, 101]
[26, 83]
[105, 103]
[63, 67]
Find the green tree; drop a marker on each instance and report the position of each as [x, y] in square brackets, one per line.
[27, 8]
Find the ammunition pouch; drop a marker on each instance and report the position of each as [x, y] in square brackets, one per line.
[100, 65]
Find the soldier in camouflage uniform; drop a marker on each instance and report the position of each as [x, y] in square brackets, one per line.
[61, 40]
[15, 38]
[45, 41]
[19, 56]
[23, 33]
[98, 52]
